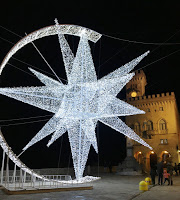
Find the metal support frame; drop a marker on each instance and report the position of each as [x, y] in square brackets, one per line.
[14, 174]
[2, 167]
[7, 170]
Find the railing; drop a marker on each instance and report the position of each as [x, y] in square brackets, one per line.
[151, 132]
[28, 182]
[58, 177]
[28, 178]
[163, 131]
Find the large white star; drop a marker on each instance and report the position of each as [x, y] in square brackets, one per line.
[80, 104]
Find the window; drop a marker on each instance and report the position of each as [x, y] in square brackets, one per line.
[162, 124]
[148, 110]
[144, 134]
[136, 127]
[131, 126]
[145, 125]
[149, 125]
[163, 141]
[134, 86]
[161, 108]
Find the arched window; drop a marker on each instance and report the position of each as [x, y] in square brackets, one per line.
[145, 126]
[149, 125]
[148, 110]
[162, 124]
[137, 127]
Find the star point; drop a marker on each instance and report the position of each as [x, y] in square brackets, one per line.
[80, 104]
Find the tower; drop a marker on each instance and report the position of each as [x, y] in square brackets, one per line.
[159, 126]
[136, 86]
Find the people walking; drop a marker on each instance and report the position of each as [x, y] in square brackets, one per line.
[160, 172]
[170, 171]
[166, 177]
[153, 173]
[176, 169]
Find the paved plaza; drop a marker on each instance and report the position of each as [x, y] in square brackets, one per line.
[110, 187]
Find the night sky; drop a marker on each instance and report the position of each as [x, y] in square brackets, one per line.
[140, 21]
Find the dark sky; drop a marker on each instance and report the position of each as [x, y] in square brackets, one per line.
[147, 22]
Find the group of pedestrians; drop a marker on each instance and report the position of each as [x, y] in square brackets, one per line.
[164, 172]
[177, 169]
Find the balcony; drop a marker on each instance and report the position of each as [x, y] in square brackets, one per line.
[148, 134]
[151, 132]
[163, 131]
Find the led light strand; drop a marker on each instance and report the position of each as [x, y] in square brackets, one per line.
[80, 104]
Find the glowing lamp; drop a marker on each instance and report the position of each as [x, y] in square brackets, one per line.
[133, 94]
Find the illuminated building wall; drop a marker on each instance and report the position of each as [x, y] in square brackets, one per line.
[159, 127]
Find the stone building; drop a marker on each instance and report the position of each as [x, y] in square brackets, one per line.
[159, 127]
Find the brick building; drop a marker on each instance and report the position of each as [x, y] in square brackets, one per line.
[159, 127]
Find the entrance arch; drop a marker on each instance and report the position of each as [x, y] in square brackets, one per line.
[165, 156]
[151, 160]
[139, 157]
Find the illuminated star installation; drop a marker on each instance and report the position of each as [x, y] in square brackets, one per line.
[81, 103]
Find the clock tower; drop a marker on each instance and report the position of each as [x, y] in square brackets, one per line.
[136, 86]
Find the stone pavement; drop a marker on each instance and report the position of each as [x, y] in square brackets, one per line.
[110, 187]
[164, 192]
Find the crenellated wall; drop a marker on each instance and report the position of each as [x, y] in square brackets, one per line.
[155, 97]
[159, 126]
[157, 107]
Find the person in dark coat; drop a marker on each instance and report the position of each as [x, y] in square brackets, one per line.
[153, 173]
[179, 168]
[176, 169]
[160, 172]
[170, 171]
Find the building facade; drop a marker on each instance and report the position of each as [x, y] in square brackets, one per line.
[159, 126]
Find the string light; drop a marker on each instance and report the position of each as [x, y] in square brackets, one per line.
[82, 102]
